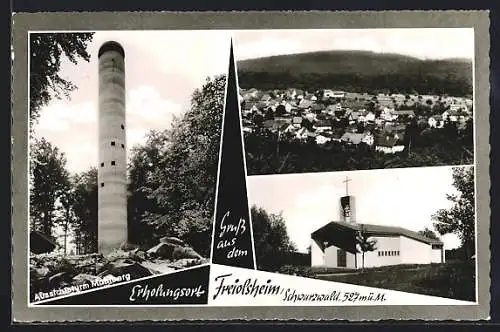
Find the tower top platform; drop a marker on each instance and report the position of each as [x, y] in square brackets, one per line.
[111, 46]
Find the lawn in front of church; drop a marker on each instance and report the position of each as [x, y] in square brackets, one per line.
[454, 279]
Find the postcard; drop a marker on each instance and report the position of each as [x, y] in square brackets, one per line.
[299, 165]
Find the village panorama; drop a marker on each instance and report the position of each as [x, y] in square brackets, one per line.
[294, 130]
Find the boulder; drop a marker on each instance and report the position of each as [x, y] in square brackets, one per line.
[84, 278]
[59, 280]
[162, 250]
[42, 272]
[126, 266]
[184, 263]
[172, 240]
[185, 252]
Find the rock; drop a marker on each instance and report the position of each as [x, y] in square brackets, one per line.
[42, 271]
[138, 255]
[162, 250]
[83, 278]
[183, 263]
[185, 252]
[59, 280]
[172, 240]
[126, 266]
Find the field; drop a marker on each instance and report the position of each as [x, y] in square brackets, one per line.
[454, 279]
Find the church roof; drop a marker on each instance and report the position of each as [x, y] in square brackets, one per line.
[372, 230]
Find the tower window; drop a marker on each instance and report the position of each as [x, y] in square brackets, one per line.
[113, 143]
[123, 127]
[102, 184]
[102, 164]
[123, 146]
[113, 163]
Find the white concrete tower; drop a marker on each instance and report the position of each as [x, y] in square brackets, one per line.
[112, 168]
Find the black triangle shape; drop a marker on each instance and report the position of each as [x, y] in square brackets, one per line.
[232, 242]
[180, 288]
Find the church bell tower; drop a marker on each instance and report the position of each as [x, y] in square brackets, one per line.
[347, 206]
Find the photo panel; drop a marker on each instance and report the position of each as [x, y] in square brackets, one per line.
[124, 149]
[409, 230]
[321, 100]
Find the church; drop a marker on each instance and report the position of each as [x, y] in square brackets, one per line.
[336, 245]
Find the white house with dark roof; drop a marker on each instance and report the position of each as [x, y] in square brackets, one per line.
[334, 245]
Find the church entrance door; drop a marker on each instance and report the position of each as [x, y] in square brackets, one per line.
[341, 258]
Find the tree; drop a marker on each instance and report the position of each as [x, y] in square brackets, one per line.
[429, 233]
[460, 218]
[67, 218]
[46, 50]
[85, 205]
[49, 181]
[173, 176]
[270, 237]
[364, 243]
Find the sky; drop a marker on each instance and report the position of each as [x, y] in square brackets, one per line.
[428, 43]
[403, 197]
[163, 68]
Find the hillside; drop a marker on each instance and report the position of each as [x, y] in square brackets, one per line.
[354, 70]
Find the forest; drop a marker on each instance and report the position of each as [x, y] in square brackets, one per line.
[357, 71]
[265, 154]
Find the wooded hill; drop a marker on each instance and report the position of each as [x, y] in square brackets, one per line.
[359, 71]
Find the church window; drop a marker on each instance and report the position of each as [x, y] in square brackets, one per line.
[122, 126]
[102, 184]
[102, 164]
[113, 163]
[379, 253]
[123, 146]
[398, 252]
[113, 143]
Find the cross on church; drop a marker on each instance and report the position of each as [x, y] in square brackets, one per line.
[347, 185]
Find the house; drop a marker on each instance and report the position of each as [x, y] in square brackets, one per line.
[321, 126]
[310, 96]
[403, 113]
[388, 144]
[315, 107]
[368, 139]
[450, 115]
[327, 94]
[335, 245]
[305, 104]
[287, 128]
[297, 121]
[304, 133]
[458, 107]
[321, 139]
[310, 116]
[353, 116]
[366, 116]
[352, 138]
[387, 114]
[338, 94]
[436, 121]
